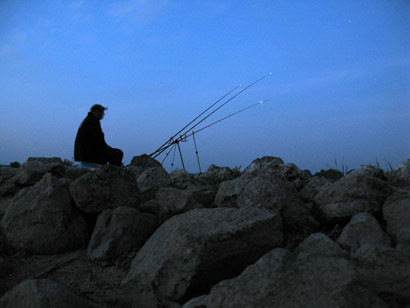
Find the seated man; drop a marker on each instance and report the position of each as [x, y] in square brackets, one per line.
[90, 144]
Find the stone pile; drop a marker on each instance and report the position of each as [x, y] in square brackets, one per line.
[270, 236]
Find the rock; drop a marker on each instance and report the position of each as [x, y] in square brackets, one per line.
[312, 187]
[197, 302]
[172, 201]
[35, 168]
[320, 244]
[362, 229]
[42, 219]
[120, 231]
[293, 174]
[107, 187]
[268, 191]
[141, 163]
[192, 251]
[309, 277]
[180, 179]
[384, 269]
[5, 267]
[42, 293]
[396, 213]
[151, 180]
[4, 204]
[229, 192]
[204, 195]
[330, 174]
[362, 190]
[6, 173]
[8, 189]
[215, 175]
[74, 172]
[401, 176]
[266, 162]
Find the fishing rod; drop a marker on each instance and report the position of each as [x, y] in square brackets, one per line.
[182, 138]
[162, 148]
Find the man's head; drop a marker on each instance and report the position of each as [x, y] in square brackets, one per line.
[98, 111]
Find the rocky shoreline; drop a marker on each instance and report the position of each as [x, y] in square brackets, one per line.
[270, 236]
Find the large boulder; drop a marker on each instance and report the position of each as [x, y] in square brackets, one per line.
[6, 173]
[107, 187]
[400, 177]
[120, 231]
[312, 187]
[141, 163]
[266, 162]
[192, 251]
[384, 269]
[215, 175]
[315, 275]
[43, 219]
[151, 180]
[35, 168]
[171, 201]
[269, 191]
[362, 190]
[396, 213]
[180, 179]
[42, 293]
[363, 229]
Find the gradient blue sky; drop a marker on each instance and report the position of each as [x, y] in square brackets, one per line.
[340, 83]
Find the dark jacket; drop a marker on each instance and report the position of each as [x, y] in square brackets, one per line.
[89, 142]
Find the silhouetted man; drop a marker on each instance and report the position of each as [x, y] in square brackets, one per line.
[90, 145]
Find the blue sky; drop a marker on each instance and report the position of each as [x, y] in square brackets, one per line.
[339, 89]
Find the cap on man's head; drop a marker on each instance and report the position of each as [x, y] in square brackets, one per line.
[98, 107]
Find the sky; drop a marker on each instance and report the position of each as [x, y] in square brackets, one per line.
[338, 94]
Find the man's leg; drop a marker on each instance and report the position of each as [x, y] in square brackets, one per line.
[114, 156]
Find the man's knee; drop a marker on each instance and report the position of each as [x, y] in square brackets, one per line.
[115, 156]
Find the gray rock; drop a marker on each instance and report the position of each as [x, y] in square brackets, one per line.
[307, 278]
[42, 293]
[320, 244]
[6, 173]
[266, 162]
[120, 231]
[141, 163]
[4, 204]
[42, 219]
[268, 191]
[74, 172]
[5, 267]
[401, 176]
[180, 179]
[384, 269]
[35, 168]
[196, 302]
[313, 186]
[229, 192]
[205, 195]
[362, 190]
[396, 213]
[172, 201]
[107, 187]
[362, 229]
[151, 180]
[293, 174]
[8, 189]
[192, 251]
[215, 175]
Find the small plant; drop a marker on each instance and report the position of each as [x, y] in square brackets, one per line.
[237, 170]
[15, 164]
[343, 168]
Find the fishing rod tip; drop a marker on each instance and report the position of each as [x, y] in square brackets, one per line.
[270, 73]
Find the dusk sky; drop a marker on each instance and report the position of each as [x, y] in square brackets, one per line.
[339, 88]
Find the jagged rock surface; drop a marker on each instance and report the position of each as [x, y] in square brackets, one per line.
[107, 187]
[223, 238]
[202, 247]
[120, 231]
[42, 293]
[42, 219]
